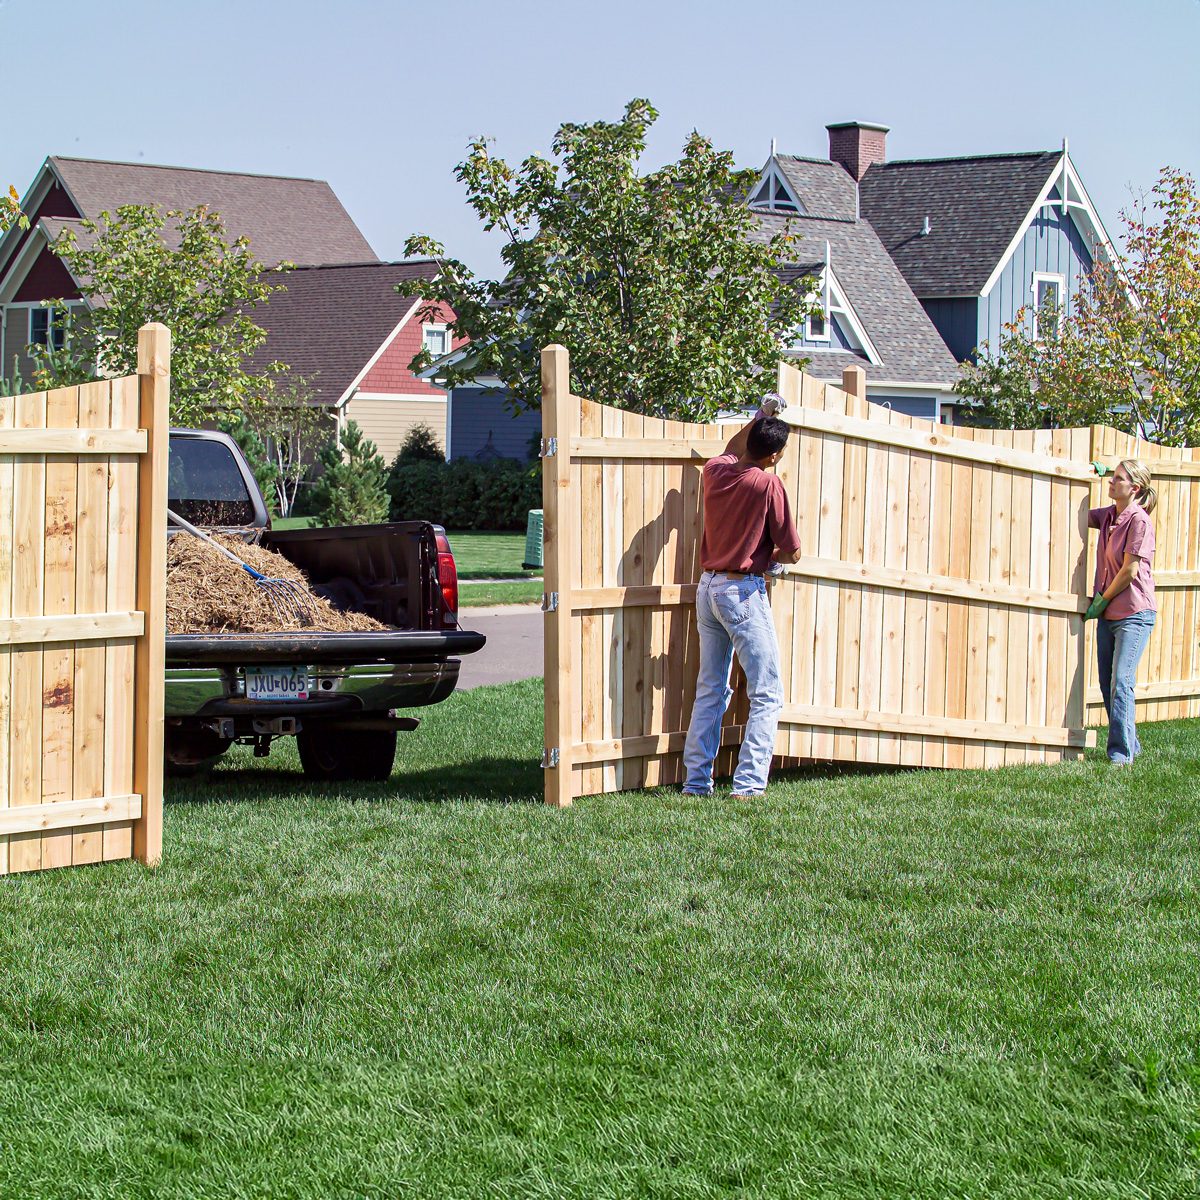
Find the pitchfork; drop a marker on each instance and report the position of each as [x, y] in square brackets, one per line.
[292, 604]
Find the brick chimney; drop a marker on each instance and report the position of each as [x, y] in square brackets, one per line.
[856, 145]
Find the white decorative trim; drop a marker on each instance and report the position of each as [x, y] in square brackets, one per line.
[387, 341]
[773, 173]
[1065, 171]
[405, 397]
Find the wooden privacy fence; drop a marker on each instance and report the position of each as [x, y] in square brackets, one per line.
[934, 617]
[83, 478]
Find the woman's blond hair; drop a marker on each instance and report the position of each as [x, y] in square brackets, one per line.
[1139, 476]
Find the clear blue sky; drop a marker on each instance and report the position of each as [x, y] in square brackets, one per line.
[381, 98]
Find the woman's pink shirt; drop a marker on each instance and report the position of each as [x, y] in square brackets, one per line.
[1130, 532]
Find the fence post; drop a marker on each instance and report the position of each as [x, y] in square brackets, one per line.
[560, 517]
[149, 672]
[854, 382]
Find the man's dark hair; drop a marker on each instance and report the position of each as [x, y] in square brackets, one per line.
[766, 437]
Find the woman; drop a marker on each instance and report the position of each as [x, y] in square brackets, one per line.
[1124, 600]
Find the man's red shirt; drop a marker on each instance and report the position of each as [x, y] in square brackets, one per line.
[746, 517]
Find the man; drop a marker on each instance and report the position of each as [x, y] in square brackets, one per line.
[747, 528]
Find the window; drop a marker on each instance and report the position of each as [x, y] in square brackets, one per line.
[436, 339]
[46, 324]
[1048, 299]
[205, 483]
[816, 327]
[774, 195]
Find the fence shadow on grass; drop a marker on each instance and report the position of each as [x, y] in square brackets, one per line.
[485, 780]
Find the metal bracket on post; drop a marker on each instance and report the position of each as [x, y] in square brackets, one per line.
[549, 759]
[549, 602]
[549, 448]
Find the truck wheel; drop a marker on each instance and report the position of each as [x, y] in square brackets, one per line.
[331, 754]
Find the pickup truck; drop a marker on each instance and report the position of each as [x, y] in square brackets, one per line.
[338, 694]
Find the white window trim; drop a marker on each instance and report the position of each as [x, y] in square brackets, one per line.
[810, 336]
[428, 327]
[772, 172]
[1047, 277]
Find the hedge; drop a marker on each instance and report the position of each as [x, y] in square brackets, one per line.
[463, 494]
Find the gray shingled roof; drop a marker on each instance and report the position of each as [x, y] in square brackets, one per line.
[910, 347]
[975, 207]
[296, 220]
[332, 319]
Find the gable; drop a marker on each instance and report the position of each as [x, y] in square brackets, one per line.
[975, 206]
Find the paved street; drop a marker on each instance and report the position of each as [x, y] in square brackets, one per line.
[514, 644]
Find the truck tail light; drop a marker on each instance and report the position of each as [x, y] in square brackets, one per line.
[447, 578]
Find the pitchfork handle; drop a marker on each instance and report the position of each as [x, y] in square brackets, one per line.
[204, 537]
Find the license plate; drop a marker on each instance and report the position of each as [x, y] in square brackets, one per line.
[276, 683]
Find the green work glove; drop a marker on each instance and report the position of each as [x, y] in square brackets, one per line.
[1101, 469]
[1097, 606]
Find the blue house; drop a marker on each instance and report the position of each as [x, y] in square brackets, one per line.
[917, 265]
[978, 239]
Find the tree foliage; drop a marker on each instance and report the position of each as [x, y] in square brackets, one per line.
[352, 489]
[10, 210]
[420, 445]
[294, 430]
[1128, 355]
[140, 265]
[654, 283]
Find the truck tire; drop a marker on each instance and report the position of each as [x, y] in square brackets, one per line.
[336, 754]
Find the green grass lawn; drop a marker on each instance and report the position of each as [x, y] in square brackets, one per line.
[517, 591]
[873, 984]
[485, 555]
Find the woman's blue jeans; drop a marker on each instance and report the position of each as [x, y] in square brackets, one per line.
[733, 614]
[1119, 647]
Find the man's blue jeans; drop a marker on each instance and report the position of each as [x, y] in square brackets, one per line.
[733, 614]
[1119, 647]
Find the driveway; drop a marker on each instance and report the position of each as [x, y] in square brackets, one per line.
[514, 644]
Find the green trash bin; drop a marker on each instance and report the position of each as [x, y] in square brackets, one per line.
[533, 541]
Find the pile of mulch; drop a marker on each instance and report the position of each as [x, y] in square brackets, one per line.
[206, 593]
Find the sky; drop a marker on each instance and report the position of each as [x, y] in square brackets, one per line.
[381, 99]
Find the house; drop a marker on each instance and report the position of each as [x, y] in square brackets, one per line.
[352, 329]
[978, 238]
[340, 322]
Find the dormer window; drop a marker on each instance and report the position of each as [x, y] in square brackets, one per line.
[774, 195]
[816, 327]
[436, 339]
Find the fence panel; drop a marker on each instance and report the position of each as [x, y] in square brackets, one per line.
[934, 617]
[83, 474]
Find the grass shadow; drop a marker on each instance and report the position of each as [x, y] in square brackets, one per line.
[489, 780]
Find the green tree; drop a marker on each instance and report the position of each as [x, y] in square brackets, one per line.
[654, 282]
[254, 450]
[352, 489]
[140, 265]
[294, 429]
[420, 445]
[1129, 353]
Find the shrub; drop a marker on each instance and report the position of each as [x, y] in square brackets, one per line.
[463, 494]
[352, 489]
[421, 445]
